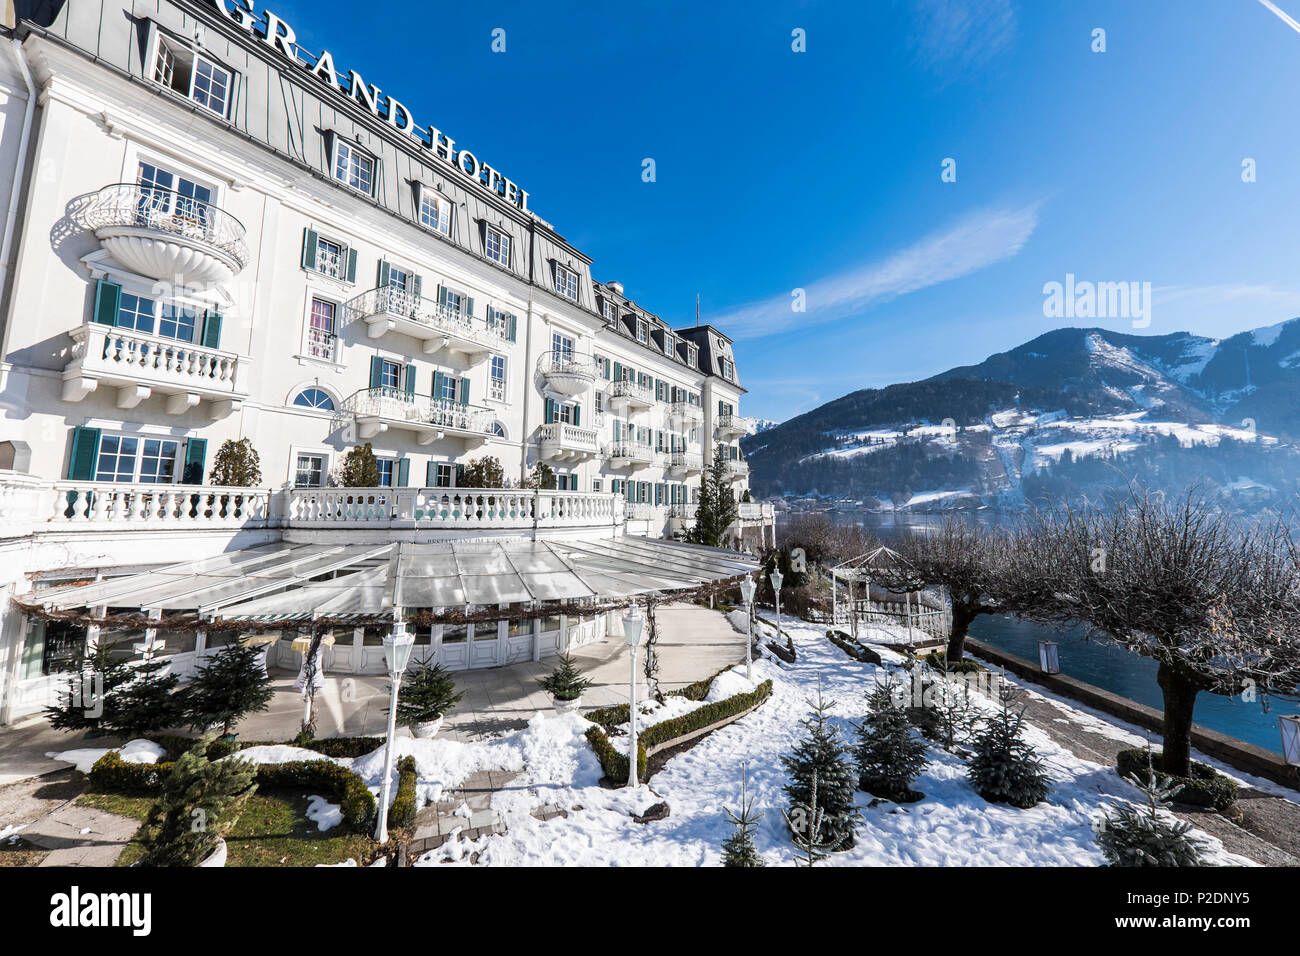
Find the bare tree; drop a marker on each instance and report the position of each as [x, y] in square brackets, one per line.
[1211, 600]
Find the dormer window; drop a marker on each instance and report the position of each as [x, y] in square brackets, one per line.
[642, 331]
[352, 167]
[566, 282]
[496, 244]
[435, 211]
[728, 370]
[693, 356]
[607, 309]
[181, 68]
[670, 344]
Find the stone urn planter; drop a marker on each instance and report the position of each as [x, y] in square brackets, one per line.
[217, 857]
[427, 729]
[566, 706]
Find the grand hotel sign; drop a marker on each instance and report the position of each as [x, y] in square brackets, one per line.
[279, 36]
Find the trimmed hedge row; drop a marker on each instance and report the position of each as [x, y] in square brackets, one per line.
[324, 776]
[174, 745]
[1206, 787]
[614, 762]
[401, 812]
[609, 717]
[855, 650]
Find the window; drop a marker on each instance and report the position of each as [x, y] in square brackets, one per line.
[692, 356]
[607, 309]
[353, 167]
[497, 430]
[310, 471]
[642, 330]
[126, 458]
[191, 74]
[497, 379]
[442, 475]
[177, 322]
[566, 282]
[322, 337]
[166, 198]
[728, 370]
[313, 397]
[598, 484]
[435, 211]
[602, 366]
[669, 344]
[331, 258]
[399, 279]
[446, 388]
[600, 403]
[561, 345]
[136, 312]
[390, 375]
[387, 468]
[455, 302]
[497, 246]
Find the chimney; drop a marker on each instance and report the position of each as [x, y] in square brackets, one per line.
[616, 286]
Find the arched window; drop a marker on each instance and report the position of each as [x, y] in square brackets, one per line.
[312, 397]
[498, 430]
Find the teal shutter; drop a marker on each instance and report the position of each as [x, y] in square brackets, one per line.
[510, 333]
[85, 454]
[437, 385]
[618, 372]
[415, 285]
[309, 238]
[212, 330]
[430, 474]
[408, 382]
[376, 371]
[403, 472]
[464, 391]
[108, 297]
[384, 271]
[469, 308]
[196, 451]
[577, 415]
[442, 296]
[352, 265]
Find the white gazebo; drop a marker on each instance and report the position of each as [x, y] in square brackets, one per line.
[926, 618]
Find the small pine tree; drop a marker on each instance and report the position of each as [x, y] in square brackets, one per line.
[89, 703]
[889, 757]
[810, 831]
[1149, 836]
[199, 803]
[148, 703]
[820, 778]
[1005, 768]
[426, 695]
[484, 473]
[359, 468]
[236, 465]
[228, 686]
[951, 699]
[565, 681]
[739, 850]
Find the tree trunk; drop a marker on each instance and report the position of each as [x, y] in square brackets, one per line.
[1179, 691]
[961, 619]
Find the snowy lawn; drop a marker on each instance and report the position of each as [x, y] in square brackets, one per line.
[952, 826]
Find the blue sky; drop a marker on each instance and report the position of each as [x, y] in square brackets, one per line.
[820, 170]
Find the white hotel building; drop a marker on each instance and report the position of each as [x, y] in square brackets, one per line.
[211, 233]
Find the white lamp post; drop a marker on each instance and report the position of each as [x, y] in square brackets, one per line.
[397, 651]
[632, 622]
[1049, 657]
[747, 590]
[1289, 726]
[776, 578]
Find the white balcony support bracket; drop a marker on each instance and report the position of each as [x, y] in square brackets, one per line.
[377, 326]
[371, 428]
[78, 387]
[181, 402]
[220, 410]
[129, 396]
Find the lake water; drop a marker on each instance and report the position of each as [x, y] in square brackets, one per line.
[1099, 663]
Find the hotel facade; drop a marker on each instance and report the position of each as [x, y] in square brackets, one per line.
[212, 233]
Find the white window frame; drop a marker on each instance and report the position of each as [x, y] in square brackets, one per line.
[178, 461]
[502, 241]
[501, 394]
[171, 46]
[305, 354]
[327, 463]
[643, 331]
[570, 278]
[443, 204]
[341, 274]
[342, 145]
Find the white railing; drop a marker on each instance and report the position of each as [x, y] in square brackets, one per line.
[569, 364]
[686, 511]
[631, 451]
[642, 511]
[469, 508]
[628, 389]
[394, 404]
[737, 469]
[24, 503]
[566, 437]
[755, 510]
[686, 461]
[153, 359]
[732, 425]
[401, 304]
[170, 212]
[686, 412]
[102, 504]
[322, 344]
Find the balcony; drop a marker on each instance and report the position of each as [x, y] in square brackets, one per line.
[737, 470]
[731, 426]
[163, 234]
[643, 511]
[438, 327]
[630, 454]
[685, 415]
[682, 464]
[567, 373]
[681, 515]
[630, 396]
[561, 442]
[140, 364]
[379, 409]
[761, 511]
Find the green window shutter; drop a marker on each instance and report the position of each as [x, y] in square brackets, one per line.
[309, 237]
[196, 451]
[85, 454]
[430, 474]
[212, 330]
[384, 270]
[548, 414]
[512, 320]
[463, 389]
[618, 372]
[108, 296]
[416, 284]
[376, 371]
[442, 296]
[577, 415]
[460, 476]
[352, 265]
[408, 382]
[469, 308]
[437, 385]
[403, 472]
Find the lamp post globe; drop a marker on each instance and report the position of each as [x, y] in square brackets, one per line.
[776, 578]
[632, 625]
[397, 653]
[747, 589]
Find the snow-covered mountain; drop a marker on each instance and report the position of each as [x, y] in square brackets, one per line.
[1071, 409]
[756, 425]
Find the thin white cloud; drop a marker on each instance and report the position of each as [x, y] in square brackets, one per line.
[954, 37]
[1282, 15]
[970, 244]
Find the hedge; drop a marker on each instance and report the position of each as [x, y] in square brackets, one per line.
[614, 762]
[323, 776]
[174, 745]
[401, 812]
[609, 717]
[939, 661]
[855, 650]
[1206, 787]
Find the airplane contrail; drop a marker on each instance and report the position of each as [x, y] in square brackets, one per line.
[1282, 15]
